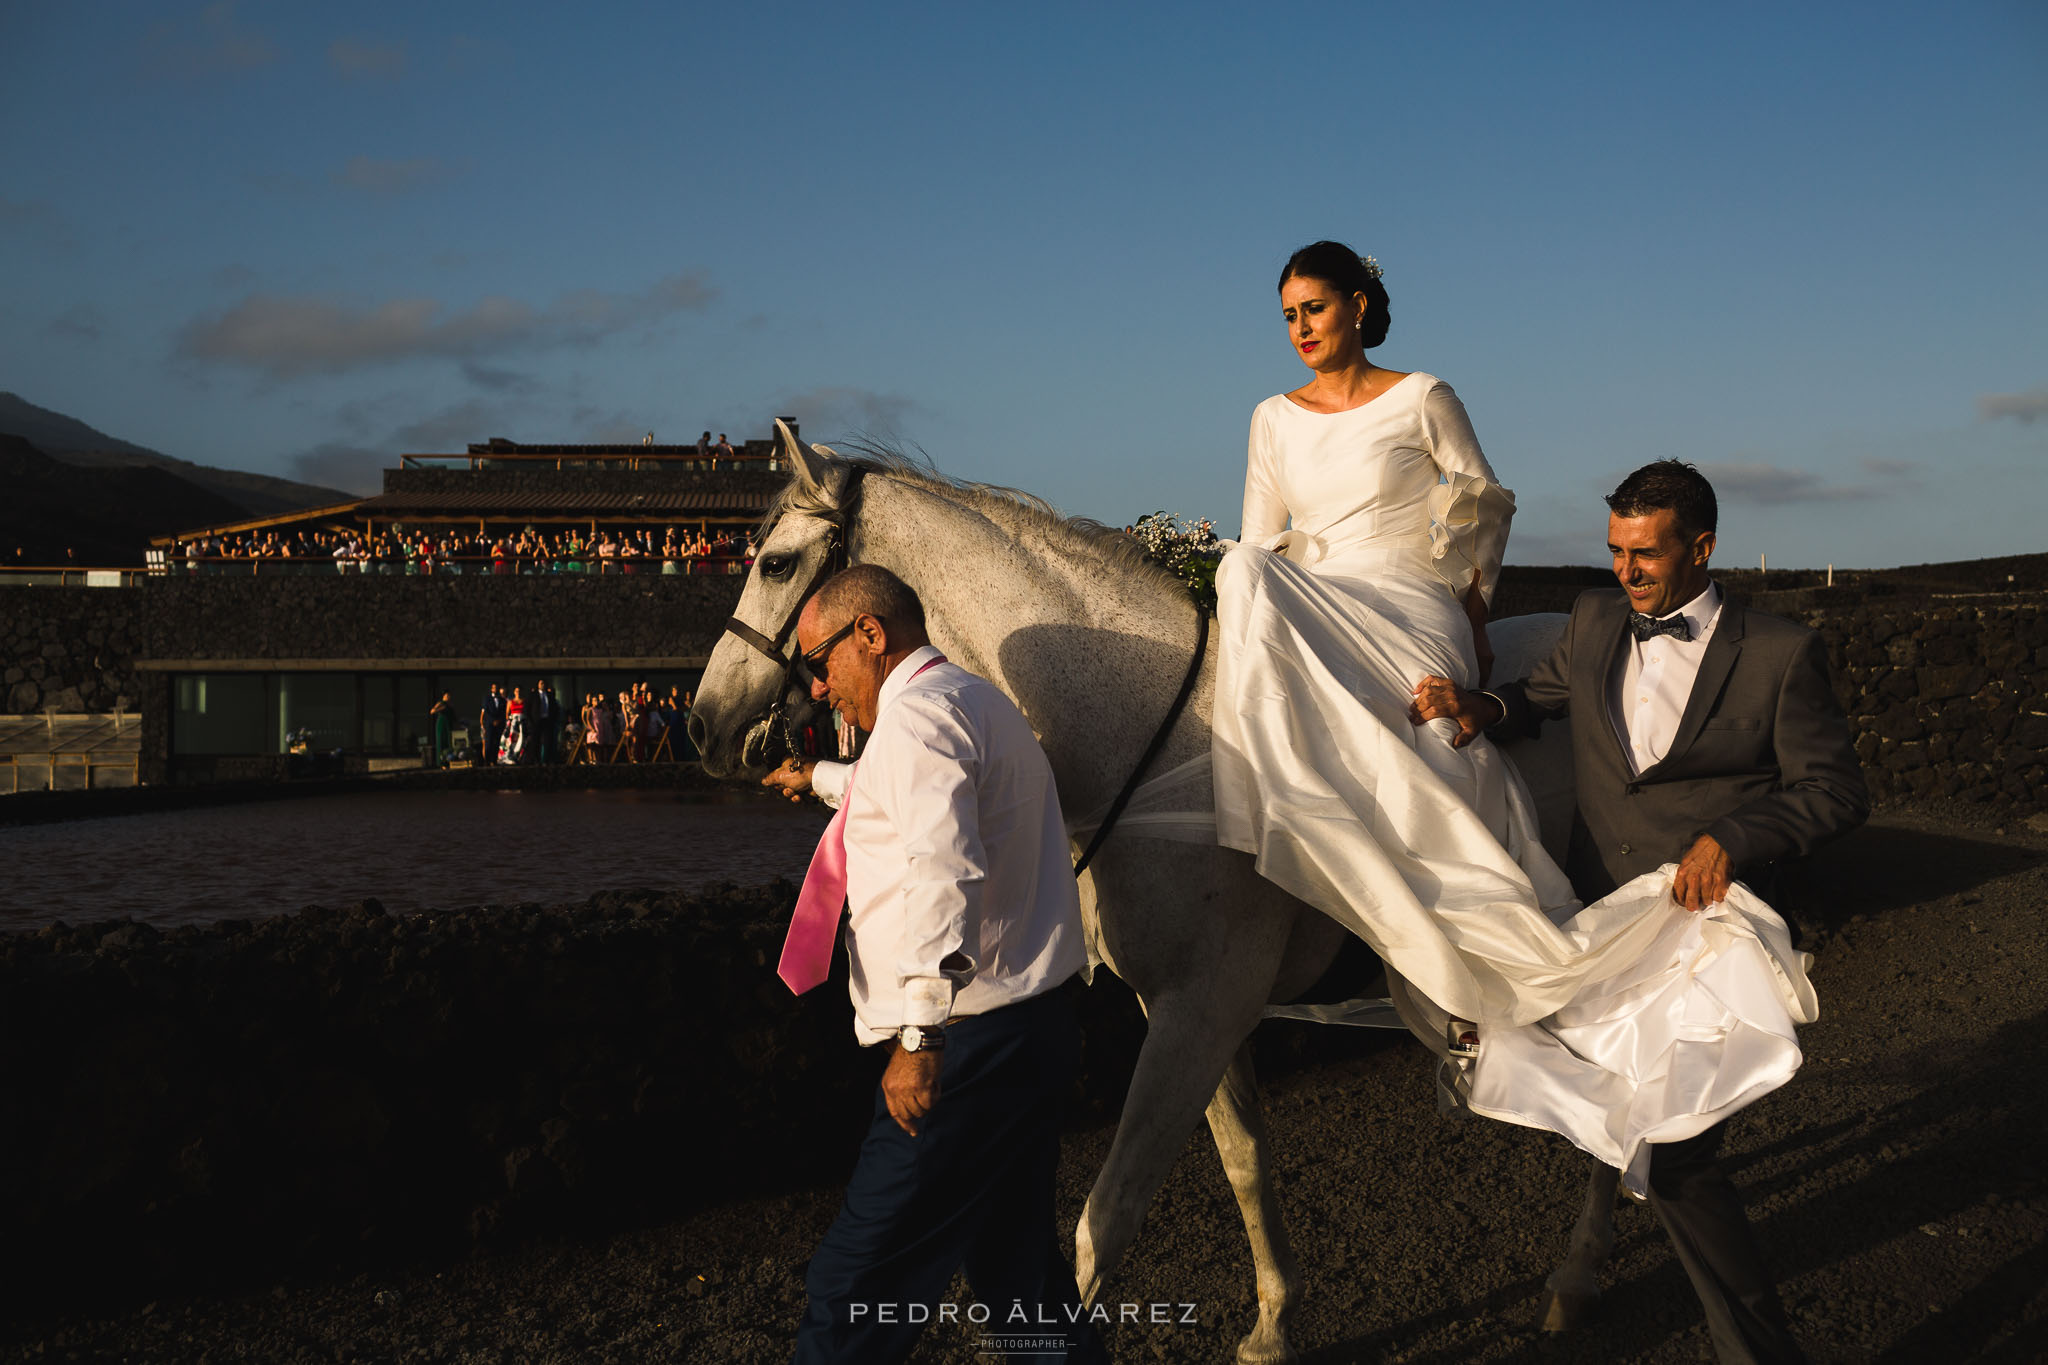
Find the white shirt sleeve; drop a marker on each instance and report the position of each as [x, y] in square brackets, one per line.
[1265, 510]
[828, 782]
[933, 805]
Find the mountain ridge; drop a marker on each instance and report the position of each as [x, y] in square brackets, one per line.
[73, 442]
[60, 514]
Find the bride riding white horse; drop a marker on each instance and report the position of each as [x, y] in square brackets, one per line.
[1091, 640]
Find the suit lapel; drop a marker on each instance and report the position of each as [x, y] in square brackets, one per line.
[1715, 665]
[1615, 629]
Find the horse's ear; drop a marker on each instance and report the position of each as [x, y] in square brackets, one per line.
[812, 466]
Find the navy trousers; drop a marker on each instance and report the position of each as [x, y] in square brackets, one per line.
[1711, 1233]
[973, 1190]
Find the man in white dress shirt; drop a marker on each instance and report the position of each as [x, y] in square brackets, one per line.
[963, 924]
[1714, 741]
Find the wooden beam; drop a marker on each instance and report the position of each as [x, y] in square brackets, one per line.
[258, 523]
[434, 665]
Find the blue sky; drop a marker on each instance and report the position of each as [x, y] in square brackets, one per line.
[1798, 244]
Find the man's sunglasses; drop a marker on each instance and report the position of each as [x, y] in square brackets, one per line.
[811, 666]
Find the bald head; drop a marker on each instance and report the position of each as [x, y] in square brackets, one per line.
[870, 589]
[854, 631]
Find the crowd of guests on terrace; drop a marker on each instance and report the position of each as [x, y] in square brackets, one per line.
[519, 726]
[439, 550]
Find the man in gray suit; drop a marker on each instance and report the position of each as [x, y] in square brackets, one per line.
[1708, 736]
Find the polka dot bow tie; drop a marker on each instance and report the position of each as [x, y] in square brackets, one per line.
[1645, 627]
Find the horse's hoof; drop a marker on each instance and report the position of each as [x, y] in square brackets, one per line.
[1259, 1349]
[1560, 1312]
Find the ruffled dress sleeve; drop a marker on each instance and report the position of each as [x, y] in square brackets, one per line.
[1469, 511]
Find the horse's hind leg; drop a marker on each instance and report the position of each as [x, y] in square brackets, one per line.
[1574, 1287]
[1238, 1124]
[1189, 1040]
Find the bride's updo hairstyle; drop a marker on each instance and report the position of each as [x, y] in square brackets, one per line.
[1343, 270]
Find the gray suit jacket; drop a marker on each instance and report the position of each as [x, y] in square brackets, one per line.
[1762, 759]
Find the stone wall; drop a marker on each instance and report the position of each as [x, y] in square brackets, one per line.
[71, 649]
[442, 616]
[229, 1101]
[75, 648]
[1947, 697]
[1949, 700]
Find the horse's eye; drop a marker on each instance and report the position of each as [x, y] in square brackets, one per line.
[777, 566]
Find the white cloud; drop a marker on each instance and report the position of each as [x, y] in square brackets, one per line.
[37, 223]
[1557, 547]
[374, 175]
[366, 61]
[498, 380]
[335, 464]
[210, 43]
[835, 410]
[288, 336]
[449, 430]
[2021, 407]
[356, 462]
[1761, 482]
[80, 322]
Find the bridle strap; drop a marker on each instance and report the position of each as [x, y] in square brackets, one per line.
[772, 648]
[1180, 702]
[836, 558]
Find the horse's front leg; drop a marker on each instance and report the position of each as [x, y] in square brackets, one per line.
[1574, 1287]
[1238, 1124]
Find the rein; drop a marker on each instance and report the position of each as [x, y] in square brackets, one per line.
[1180, 702]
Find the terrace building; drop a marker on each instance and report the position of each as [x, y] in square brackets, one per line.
[231, 660]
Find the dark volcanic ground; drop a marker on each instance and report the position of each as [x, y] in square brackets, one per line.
[1898, 1184]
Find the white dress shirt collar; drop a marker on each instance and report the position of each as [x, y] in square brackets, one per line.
[1653, 680]
[900, 676]
[1701, 612]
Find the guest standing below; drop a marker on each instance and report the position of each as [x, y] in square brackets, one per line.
[442, 715]
[950, 851]
[539, 715]
[491, 724]
[1708, 736]
[513, 746]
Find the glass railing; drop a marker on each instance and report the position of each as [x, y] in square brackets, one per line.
[510, 566]
[69, 576]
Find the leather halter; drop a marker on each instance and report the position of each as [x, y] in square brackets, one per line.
[836, 559]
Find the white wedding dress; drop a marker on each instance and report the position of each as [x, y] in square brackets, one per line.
[1626, 1022]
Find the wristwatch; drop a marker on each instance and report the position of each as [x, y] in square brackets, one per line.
[922, 1038]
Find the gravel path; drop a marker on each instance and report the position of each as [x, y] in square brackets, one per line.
[1898, 1184]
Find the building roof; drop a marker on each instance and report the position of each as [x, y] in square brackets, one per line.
[471, 502]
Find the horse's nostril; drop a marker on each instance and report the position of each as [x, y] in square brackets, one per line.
[696, 729]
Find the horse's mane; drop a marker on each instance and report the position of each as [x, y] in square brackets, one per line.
[1083, 536]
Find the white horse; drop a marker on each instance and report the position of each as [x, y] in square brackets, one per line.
[1091, 640]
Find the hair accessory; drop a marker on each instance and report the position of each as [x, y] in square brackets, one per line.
[1371, 267]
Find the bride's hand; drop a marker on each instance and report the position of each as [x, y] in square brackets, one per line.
[1476, 612]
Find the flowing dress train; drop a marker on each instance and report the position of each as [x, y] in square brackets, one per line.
[1624, 1022]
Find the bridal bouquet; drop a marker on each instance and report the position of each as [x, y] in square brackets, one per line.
[1186, 548]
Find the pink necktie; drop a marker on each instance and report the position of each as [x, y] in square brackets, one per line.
[814, 927]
